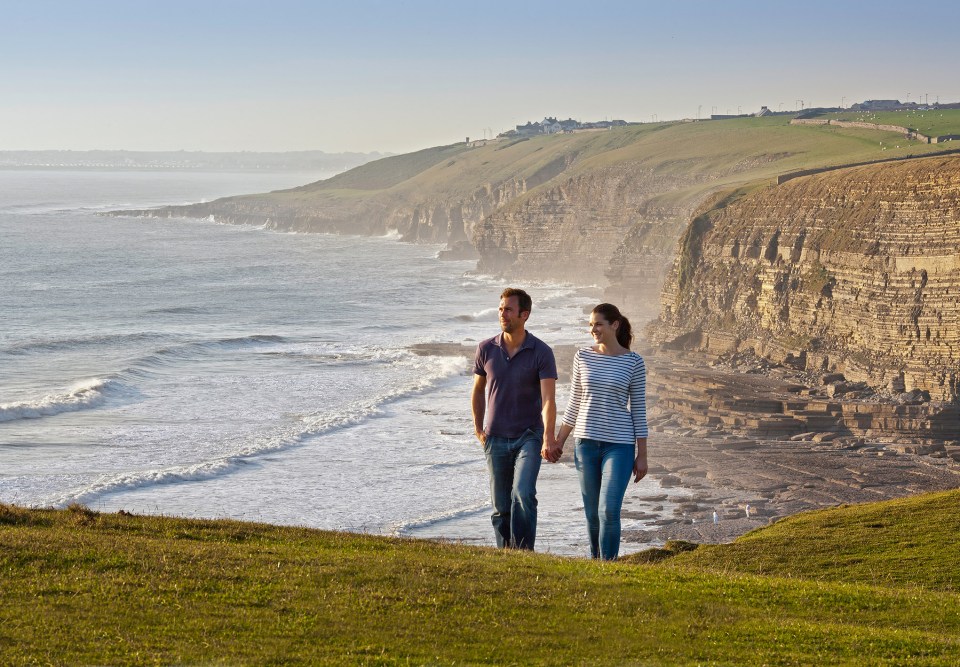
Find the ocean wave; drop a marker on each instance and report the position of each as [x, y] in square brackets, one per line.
[435, 374]
[335, 351]
[177, 310]
[453, 464]
[480, 315]
[404, 528]
[168, 356]
[95, 340]
[82, 396]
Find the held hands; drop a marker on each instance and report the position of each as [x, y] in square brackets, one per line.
[552, 448]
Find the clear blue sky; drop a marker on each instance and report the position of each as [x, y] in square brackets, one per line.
[396, 76]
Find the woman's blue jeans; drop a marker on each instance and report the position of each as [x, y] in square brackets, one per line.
[514, 464]
[604, 469]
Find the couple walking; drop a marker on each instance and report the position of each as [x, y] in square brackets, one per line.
[515, 413]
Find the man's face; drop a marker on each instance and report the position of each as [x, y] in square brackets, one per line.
[511, 320]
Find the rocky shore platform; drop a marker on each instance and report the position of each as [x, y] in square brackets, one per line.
[738, 443]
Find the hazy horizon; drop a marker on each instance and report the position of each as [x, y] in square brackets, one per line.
[292, 75]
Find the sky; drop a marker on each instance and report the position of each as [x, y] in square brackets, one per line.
[364, 75]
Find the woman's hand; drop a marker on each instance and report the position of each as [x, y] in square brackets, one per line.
[639, 468]
[640, 462]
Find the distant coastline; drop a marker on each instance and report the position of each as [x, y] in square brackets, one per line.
[186, 160]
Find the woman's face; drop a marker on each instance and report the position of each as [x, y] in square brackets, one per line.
[601, 330]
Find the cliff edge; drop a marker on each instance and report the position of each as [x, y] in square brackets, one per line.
[855, 271]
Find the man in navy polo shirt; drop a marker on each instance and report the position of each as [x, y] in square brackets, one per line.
[514, 409]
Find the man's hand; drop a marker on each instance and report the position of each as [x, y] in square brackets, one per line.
[482, 437]
[552, 449]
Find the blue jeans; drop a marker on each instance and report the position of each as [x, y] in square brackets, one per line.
[514, 464]
[604, 469]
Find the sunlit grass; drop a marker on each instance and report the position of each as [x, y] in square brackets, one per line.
[931, 122]
[85, 588]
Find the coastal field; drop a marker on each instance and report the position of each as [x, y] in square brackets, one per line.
[932, 122]
[741, 150]
[869, 584]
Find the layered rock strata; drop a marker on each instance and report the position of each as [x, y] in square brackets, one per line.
[778, 404]
[853, 270]
[592, 228]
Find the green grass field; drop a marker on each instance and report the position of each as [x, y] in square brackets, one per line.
[710, 155]
[931, 123]
[872, 584]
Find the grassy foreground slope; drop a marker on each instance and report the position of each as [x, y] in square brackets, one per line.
[905, 542]
[86, 588]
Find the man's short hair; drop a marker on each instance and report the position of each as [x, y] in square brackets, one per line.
[523, 299]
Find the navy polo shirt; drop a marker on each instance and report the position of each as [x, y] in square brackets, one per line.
[513, 385]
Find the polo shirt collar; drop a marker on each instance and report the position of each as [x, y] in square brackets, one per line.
[527, 341]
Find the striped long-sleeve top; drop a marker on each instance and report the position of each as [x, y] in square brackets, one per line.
[608, 397]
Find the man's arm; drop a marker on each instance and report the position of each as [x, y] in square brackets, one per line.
[548, 396]
[478, 400]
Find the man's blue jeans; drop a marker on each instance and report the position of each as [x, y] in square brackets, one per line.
[604, 469]
[514, 464]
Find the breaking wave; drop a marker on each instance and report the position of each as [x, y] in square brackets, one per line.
[82, 396]
[294, 435]
[404, 528]
[478, 316]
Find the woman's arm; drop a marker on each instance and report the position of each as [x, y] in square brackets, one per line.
[573, 406]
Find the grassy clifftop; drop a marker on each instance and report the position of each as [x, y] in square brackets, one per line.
[87, 588]
[736, 151]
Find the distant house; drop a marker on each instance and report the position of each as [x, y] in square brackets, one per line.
[877, 105]
[764, 111]
[551, 126]
[529, 129]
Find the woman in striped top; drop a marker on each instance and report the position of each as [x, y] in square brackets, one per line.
[607, 415]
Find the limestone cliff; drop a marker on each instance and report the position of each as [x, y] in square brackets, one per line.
[855, 270]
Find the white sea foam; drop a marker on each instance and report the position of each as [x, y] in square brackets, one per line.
[88, 394]
[402, 528]
[479, 316]
[443, 368]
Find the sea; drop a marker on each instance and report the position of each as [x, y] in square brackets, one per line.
[189, 368]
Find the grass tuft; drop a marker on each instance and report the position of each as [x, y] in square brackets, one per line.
[82, 515]
[11, 515]
[657, 554]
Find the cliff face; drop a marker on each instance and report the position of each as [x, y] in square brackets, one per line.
[437, 195]
[593, 227]
[425, 220]
[854, 270]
